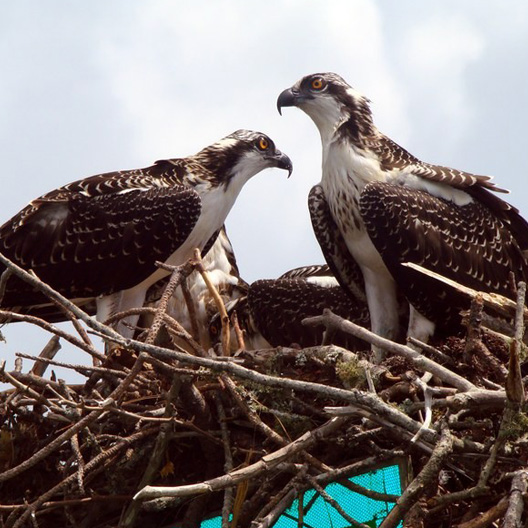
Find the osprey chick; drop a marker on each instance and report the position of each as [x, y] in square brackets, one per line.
[390, 208]
[100, 237]
[272, 311]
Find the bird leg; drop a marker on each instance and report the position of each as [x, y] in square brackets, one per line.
[384, 309]
[110, 305]
[420, 327]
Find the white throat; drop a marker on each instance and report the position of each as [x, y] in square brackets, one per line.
[327, 116]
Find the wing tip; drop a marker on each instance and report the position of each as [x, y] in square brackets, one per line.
[487, 183]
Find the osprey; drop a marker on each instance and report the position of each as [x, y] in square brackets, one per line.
[271, 312]
[389, 208]
[100, 237]
[220, 263]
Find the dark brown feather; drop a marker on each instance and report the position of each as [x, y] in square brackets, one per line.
[333, 246]
[469, 244]
[279, 306]
[114, 237]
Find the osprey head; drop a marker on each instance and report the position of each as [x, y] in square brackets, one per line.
[241, 155]
[330, 101]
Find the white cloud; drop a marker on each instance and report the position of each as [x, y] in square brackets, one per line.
[440, 44]
[436, 54]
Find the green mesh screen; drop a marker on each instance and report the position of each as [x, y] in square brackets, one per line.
[321, 514]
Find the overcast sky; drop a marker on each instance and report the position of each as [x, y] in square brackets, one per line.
[91, 87]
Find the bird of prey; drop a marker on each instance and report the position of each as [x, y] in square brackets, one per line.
[100, 237]
[390, 208]
[221, 266]
[271, 313]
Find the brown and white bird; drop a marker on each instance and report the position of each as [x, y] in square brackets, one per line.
[390, 208]
[272, 311]
[99, 238]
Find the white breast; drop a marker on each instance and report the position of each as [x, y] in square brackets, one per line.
[216, 204]
[345, 174]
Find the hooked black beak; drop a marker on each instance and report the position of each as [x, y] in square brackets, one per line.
[287, 98]
[284, 162]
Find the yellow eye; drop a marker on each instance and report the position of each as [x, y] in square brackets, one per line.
[213, 330]
[263, 143]
[318, 83]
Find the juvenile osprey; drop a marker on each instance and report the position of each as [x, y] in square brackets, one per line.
[389, 208]
[100, 237]
[271, 313]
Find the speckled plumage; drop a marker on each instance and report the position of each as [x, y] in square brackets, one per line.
[271, 313]
[100, 237]
[308, 272]
[112, 238]
[279, 306]
[343, 266]
[467, 242]
[390, 207]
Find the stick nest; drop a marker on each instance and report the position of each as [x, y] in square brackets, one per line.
[165, 433]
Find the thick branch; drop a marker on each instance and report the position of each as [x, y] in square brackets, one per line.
[502, 305]
[518, 495]
[265, 464]
[330, 319]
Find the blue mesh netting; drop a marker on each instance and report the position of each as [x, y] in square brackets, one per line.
[321, 514]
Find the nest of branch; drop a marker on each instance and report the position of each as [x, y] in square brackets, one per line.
[158, 436]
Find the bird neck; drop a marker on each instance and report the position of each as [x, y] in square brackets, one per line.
[351, 123]
[358, 127]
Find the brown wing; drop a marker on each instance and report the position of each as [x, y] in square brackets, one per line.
[164, 173]
[87, 246]
[278, 307]
[392, 156]
[302, 272]
[470, 244]
[341, 263]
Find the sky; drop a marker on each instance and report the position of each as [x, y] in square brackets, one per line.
[92, 87]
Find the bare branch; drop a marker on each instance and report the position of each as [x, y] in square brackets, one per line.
[422, 481]
[266, 464]
[518, 495]
[330, 319]
[502, 305]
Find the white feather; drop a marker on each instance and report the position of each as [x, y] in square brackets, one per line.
[326, 282]
[438, 189]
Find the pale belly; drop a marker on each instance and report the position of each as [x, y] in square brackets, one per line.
[345, 173]
[345, 211]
